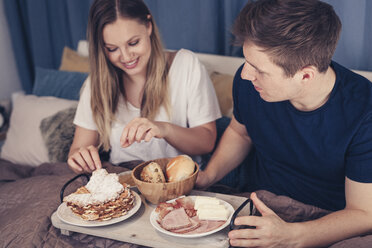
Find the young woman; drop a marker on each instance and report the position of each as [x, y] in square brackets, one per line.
[139, 102]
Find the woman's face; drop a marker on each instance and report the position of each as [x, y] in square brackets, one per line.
[128, 45]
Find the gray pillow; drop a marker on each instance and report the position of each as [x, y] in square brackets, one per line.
[58, 132]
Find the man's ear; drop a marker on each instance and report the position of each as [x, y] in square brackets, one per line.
[308, 73]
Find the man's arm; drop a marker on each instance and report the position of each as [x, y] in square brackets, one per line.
[354, 220]
[232, 149]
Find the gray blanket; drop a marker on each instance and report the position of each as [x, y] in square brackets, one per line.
[29, 196]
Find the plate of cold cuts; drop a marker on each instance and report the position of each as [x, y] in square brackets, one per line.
[179, 218]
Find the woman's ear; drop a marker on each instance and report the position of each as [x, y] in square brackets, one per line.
[149, 25]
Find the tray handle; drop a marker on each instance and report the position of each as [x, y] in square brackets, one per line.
[251, 208]
[70, 181]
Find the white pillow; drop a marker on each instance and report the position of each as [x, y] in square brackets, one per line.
[24, 143]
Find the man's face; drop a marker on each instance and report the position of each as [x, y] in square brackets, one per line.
[268, 79]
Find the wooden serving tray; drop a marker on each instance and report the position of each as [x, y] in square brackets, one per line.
[138, 230]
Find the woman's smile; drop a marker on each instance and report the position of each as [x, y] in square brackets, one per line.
[131, 65]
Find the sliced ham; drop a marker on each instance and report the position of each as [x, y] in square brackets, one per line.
[206, 225]
[194, 224]
[175, 219]
[191, 212]
[186, 202]
[163, 209]
[163, 205]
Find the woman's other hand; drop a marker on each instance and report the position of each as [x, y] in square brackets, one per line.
[83, 156]
[85, 159]
[142, 129]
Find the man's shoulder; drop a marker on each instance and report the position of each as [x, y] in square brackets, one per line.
[352, 84]
[349, 76]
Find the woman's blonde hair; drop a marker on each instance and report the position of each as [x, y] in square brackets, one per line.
[106, 86]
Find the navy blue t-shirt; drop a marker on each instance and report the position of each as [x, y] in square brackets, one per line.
[306, 155]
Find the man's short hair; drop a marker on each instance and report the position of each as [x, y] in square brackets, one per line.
[294, 33]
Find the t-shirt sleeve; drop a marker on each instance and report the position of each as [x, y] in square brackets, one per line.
[203, 105]
[359, 155]
[84, 117]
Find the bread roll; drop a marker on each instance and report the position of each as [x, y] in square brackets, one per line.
[179, 168]
[152, 173]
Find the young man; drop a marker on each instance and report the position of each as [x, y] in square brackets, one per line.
[306, 122]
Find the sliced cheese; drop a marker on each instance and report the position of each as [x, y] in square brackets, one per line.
[209, 208]
[203, 200]
[213, 214]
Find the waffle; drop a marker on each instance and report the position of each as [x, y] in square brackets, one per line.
[105, 211]
[102, 198]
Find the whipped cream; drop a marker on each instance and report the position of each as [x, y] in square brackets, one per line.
[102, 186]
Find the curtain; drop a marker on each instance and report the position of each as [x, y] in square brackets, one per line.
[198, 25]
[354, 48]
[41, 28]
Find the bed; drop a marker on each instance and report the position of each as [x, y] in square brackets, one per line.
[32, 167]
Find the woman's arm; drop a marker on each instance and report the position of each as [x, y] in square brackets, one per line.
[192, 141]
[83, 155]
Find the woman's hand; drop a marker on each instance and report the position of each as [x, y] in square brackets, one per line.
[142, 129]
[270, 231]
[85, 159]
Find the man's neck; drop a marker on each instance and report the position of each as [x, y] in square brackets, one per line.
[317, 92]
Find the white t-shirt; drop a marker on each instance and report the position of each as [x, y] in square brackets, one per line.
[193, 103]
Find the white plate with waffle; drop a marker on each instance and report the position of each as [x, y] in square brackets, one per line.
[66, 215]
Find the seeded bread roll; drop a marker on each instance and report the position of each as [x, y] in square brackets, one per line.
[152, 173]
[179, 168]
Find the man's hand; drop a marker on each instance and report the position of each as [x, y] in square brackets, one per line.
[202, 181]
[270, 231]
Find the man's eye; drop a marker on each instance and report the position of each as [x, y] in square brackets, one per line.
[111, 49]
[133, 43]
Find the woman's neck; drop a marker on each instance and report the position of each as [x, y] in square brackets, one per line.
[134, 87]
